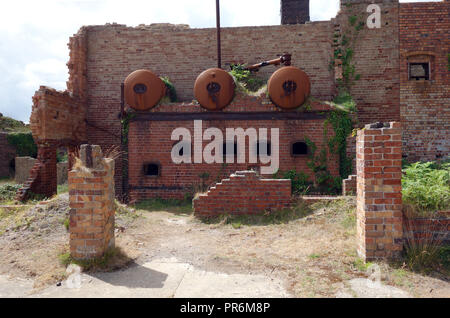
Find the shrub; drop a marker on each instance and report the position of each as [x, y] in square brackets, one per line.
[300, 181]
[426, 186]
[246, 78]
[24, 144]
[8, 191]
[171, 92]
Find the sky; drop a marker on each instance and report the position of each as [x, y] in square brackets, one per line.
[34, 34]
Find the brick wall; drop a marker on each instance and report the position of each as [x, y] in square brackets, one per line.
[349, 185]
[244, 193]
[7, 155]
[423, 230]
[376, 59]
[113, 51]
[91, 195]
[43, 175]
[425, 111]
[149, 141]
[23, 168]
[57, 116]
[379, 198]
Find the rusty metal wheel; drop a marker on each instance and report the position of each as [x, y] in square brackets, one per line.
[289, 87]
[214, 89]
[143, 90]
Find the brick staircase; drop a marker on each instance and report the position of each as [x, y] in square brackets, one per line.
[244, 192]
[23, 192]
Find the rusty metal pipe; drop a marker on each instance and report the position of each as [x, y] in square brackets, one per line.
[284, 59]
[219, 49]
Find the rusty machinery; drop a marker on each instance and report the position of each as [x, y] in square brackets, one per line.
[214, 88]
[143, 90]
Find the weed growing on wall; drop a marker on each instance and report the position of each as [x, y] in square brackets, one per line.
[248, 80]
[171, 92]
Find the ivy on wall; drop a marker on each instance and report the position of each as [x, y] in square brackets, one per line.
[340, 118]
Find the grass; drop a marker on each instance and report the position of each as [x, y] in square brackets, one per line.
[8, 124]
[63, 188]
[8, 191]
[170, 205]
[113, 259]
[360, 265]
[426, 187]
[427, 254]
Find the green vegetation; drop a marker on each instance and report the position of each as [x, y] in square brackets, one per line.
[62, 188]
[170, 205]
[171, 92]
[66, 223]
[8, 191]
[301, 184]
[8, 124]
[426, 255]
[426, 187]
[248, 80]
[24, 144]
[360, 265]
[62, 157]
[126, 126]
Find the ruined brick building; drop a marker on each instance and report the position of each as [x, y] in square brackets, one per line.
[402, 67]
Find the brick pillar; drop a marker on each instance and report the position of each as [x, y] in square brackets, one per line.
[379, 198]
[91, 192]
[47, 179]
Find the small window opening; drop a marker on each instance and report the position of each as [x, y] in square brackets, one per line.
[299, 148]
[151, 169]
[419, 71]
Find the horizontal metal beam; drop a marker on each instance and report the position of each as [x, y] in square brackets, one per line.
[228, 116]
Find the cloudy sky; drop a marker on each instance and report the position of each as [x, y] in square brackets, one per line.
[34, 34]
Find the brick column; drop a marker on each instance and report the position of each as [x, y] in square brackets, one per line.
[379, 198]
[91, 192]
[47, 184]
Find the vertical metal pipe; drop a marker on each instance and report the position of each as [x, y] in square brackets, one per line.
[219, 49]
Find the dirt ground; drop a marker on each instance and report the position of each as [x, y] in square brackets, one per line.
[314, 255]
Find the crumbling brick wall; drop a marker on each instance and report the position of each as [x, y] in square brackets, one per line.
[244, 192]
[149, 141]
[92, 209]
[349, 185]
[425, 111]
[43, 175]
[113, 51]
[379, 197]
